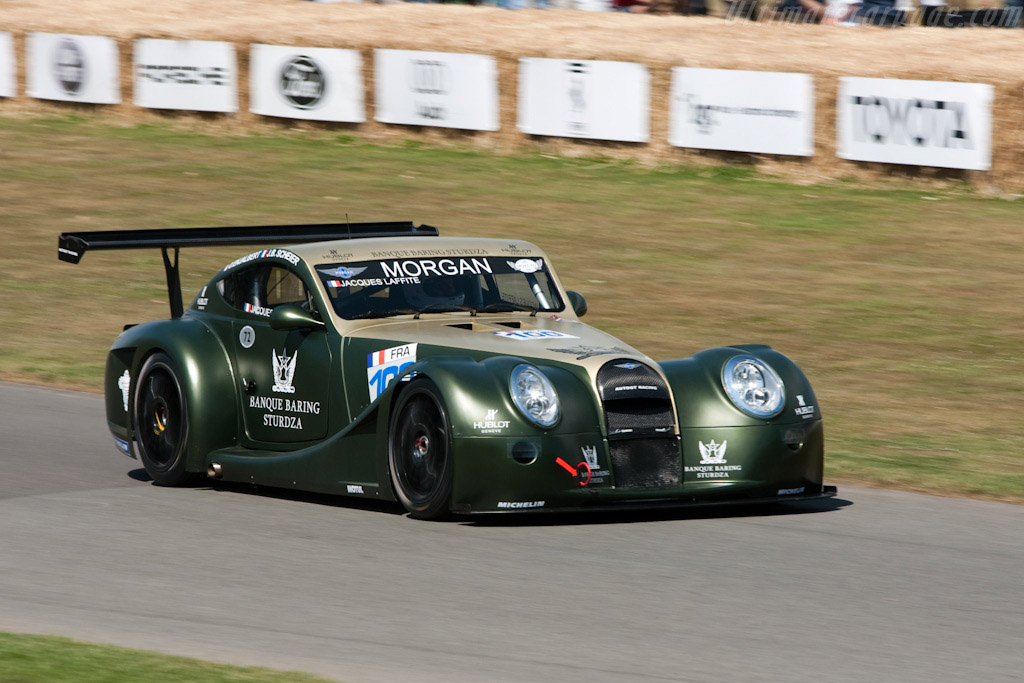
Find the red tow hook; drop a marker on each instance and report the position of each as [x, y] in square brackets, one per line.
[581, 471]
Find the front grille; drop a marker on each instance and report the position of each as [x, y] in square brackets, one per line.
[644, 415]
[641, 425]
[645, 463]
[636, 400]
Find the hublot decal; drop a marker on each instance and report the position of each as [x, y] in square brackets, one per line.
[491, 425]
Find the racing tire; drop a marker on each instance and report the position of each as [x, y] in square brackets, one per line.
[419, 451]
[161, 422]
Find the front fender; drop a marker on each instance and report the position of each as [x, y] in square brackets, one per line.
[485, 442]
[476, 394]
[205, 373]
[701, 401]
[727, 452]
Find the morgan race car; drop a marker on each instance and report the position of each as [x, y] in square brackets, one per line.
[450, 374]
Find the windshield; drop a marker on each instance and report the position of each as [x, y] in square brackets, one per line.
[480, 284]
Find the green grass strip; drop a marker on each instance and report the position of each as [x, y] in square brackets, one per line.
[52, 659]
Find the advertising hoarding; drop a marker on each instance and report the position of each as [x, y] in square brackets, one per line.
[591, 99]
[193, 75]
[313, 83]
[761, 112]
[73, 68]
[442, 89]
[8, 82]
[923, 123]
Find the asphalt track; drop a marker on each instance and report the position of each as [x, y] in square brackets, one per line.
[873, 586]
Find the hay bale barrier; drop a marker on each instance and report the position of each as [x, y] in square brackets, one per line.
[975, 55]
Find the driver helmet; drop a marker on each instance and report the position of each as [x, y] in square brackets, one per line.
[435, 290]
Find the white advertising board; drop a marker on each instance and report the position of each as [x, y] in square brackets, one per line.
[314, 83]
[73, 68]
[8, 84]
[584, 99]
[195, 75]
[762, 112]
[923, 123]
[436, 89]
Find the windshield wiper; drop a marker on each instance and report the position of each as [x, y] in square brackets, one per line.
[384, 314]
[445, 308]
[507, 307]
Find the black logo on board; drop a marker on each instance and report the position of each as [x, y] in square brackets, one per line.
[701, 115]
[184, 75]
[578, 72]
[919, 122]
[69, 66]
[303, 83]
[429, 77]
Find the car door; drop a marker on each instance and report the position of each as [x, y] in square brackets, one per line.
[285, 375]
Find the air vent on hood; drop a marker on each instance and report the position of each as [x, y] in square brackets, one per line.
[489, 326]
[474, 327]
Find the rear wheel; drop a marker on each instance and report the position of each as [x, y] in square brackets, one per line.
[161, 421]
[419, 451]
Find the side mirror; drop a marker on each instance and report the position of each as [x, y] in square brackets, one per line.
[578, 303]
[293, 317]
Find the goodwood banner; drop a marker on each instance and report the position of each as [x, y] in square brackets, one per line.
[315, 83]
[762, 112]
[584, 99]
[922, 123]
[73, 68]
[436, 89]
[194, 75]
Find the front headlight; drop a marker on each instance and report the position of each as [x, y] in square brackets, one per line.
[753, 386]
[534, 395]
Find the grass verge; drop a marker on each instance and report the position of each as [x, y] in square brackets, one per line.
[51, 659]
[902, 306]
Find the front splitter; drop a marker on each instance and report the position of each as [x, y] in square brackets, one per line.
[657, 504]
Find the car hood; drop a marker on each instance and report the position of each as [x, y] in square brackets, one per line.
[541, 338]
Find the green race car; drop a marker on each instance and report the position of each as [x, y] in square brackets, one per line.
[450, 374]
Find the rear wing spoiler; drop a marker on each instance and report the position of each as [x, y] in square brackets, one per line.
[71, 246]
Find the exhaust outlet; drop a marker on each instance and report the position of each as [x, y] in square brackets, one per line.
[214, 471]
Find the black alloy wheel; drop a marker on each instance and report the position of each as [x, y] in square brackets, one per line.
[419, 451]
[161, 421]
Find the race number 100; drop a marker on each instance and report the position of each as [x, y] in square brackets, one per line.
[382, 367]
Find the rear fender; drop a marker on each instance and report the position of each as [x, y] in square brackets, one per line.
[205, 373]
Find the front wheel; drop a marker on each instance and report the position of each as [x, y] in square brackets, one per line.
[161, 421]
[419, 451]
